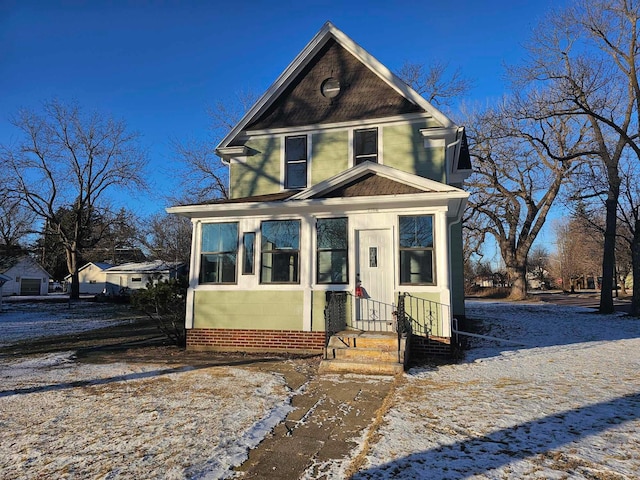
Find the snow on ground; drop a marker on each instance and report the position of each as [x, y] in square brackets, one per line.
[29, 320]
[62, 419]
[564, 405]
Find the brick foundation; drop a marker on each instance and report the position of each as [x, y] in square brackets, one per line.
[422, 347]
[222, 340]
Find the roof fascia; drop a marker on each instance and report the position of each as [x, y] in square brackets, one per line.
[323, 205]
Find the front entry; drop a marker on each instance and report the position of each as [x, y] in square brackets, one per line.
[374, 269]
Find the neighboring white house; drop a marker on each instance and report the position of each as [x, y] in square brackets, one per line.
[137, 275]
[26, 276]
[91, 277]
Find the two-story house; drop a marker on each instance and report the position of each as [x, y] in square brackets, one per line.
[342, 179]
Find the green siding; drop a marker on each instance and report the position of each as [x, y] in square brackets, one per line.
[261, 310]
[318, 303]
[260, 172]
[403, 148]
[457, 270]
[330, 155]
[419, 309]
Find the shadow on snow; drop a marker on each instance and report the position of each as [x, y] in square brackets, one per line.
[479, 455]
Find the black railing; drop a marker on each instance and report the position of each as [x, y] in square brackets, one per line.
[420, 316]
[337, 314]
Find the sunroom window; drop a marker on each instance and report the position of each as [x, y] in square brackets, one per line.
[280, 251]
[295, 156]
[219, 253]
[332, 245]
[416, 250]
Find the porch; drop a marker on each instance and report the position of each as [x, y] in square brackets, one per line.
[370, 337]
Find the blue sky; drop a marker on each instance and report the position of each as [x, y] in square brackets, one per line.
[158, 65]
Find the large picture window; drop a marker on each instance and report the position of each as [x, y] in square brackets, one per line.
[280, 251]
[219, 253]
[295, 155]
[365, 145]
[332, 245]
[416, 250]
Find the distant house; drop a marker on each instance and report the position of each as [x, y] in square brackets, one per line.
[136, 275]
[26, 276]
[92, 277]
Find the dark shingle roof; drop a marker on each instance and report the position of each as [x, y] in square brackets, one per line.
[369, 185]
[363, 95]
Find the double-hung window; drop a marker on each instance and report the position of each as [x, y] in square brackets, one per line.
[332, 248]
[280, 251]
[295, 158]
[219, 253]
[416, 250]
[365, 145]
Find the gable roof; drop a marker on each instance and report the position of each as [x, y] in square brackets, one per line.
[270, 109]
[156, 266]
[8, 262]
[359, 180]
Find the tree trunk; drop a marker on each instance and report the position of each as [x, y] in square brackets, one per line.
[635, 265]
[606, 298]
[72, 265]
[518, 277]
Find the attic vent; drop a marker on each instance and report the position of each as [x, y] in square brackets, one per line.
[330, 88]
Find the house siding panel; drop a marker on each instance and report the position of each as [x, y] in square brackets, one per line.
[259, 310]
[436, 327]
[403, 148]
[330, 155]
[457, 271]
[259, 173]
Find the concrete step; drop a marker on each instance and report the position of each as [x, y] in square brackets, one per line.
[364, 354]
[364, 368]
[379, 340]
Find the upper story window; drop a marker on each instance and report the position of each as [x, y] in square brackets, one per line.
[416, 250]
[280, 251]
[295, 159]
[365, 145]
[219, 253]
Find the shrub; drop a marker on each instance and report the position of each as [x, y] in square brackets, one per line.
[165, 302]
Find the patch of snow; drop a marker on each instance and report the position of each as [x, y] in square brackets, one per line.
[31, 320]
[64, 419]
[569, 404]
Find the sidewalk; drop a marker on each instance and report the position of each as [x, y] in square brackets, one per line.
[333, 416]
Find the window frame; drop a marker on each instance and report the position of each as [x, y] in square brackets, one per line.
[359, 158]
[219, 253]
[431, 249]
[320, 250]
[249, 255]
[280, 251]
[295, 162]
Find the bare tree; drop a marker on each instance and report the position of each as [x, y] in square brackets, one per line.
[16, 222]
[169, 238]
[436, 82]
[203, 177]
[587, 55]
[520, 165]
[65, 158]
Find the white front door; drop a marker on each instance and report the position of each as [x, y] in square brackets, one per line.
[374, 269]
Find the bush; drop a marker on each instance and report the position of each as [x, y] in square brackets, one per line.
[165, 302]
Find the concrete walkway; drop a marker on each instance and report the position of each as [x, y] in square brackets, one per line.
[332, 416]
